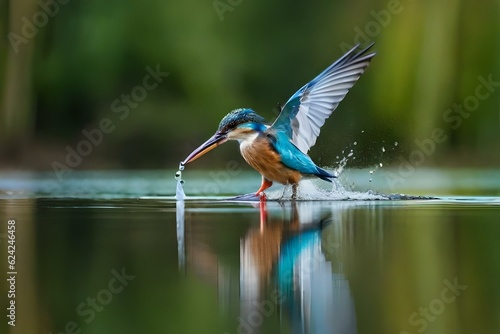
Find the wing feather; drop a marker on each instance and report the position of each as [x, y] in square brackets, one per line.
[307, 110]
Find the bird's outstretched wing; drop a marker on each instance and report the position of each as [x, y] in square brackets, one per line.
[307, 110]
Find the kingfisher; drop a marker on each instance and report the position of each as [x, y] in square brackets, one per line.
[279, 151]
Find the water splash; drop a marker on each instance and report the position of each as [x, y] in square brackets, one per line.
[341, 165]
[312, 191]
[349, 154]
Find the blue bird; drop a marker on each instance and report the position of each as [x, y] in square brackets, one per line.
[279, 151]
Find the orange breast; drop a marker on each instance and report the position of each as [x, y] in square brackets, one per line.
[260, 155]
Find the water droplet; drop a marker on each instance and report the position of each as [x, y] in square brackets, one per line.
[371, 172]
[355, 143]
[178, 175]
[380, 164]
[395, 143]
[370, 180]
[182, 181]
[350, 154]
[181, 166]
[362, 131]
[383, 149]
[337, 157]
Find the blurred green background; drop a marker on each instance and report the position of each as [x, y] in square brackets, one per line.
[66, 65]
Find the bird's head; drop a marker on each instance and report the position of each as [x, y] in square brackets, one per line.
[237, 125]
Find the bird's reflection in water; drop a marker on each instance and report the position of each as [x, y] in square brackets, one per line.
[286, 266]
[291, 269]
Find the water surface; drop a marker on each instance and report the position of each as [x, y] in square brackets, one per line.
[114, 252]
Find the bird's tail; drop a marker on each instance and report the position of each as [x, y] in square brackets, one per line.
[324, 175]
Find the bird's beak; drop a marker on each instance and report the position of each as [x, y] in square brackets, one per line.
[214, 141]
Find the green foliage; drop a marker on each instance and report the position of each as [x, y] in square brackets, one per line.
[252, 54]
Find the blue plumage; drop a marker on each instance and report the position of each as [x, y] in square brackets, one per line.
[279, 151]
[293, 158]
[307, 110]
[239, 116]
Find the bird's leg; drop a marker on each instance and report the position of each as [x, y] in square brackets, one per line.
[283, 193]
[265, 184]
[294, 191]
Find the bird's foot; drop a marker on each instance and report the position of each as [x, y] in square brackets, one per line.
[282, 197]
[294, 192]
[262, 196]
